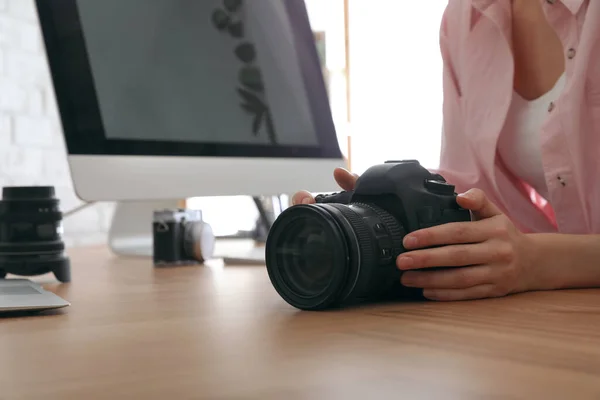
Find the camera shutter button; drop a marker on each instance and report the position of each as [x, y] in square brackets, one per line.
[438, 187]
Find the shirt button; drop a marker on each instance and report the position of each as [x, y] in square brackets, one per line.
[571, 53]
[551, 106]
[561, 180]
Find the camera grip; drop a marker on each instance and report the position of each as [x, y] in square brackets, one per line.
[340, 197]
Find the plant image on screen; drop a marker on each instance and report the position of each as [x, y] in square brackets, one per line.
[251, 89]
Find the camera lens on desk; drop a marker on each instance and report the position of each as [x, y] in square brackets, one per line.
[31, 233]
[321, 254]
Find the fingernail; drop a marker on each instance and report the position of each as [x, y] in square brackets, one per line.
[405, 262]
[468, 194]
[410, 241]
[306, 200]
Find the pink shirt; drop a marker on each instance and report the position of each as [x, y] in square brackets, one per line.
[478, 85]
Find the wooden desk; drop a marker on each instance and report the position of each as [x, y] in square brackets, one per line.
[223, 333]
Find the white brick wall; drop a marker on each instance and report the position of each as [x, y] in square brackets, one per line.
[31, 145]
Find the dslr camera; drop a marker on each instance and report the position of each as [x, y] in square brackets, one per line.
[181, 237]
[343, 248]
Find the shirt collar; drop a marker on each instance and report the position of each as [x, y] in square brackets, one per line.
[482, 4]
[572, 5]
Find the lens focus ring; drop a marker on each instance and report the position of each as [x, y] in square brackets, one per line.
[367, 249]
[360, 228]
[394, 229]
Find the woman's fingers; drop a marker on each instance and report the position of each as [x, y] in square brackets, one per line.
[344, 178]
[479, 204]
[451, 278]
[472, 293]
[302, 197]
[459, 255]
[452, 233]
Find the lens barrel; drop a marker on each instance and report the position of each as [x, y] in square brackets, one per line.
[319, 256]
[31, 233]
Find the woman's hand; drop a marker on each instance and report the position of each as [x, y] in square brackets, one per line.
[494, 257]
[344, 178]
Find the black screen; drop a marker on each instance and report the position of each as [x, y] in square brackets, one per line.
[187, 77]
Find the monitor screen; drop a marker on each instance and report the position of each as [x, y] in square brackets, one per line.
[223, 78]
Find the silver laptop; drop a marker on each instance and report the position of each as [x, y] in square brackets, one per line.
[25, 295]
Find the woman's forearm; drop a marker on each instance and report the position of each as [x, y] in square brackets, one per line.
[563, 261]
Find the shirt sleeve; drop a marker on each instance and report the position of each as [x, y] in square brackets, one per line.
[457, 163]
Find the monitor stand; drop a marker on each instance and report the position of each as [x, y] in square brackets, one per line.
[252, 252]
[130, 231]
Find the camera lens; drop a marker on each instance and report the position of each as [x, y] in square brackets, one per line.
[321, 255]
[30, 233]
[307, 256]
[198, 240]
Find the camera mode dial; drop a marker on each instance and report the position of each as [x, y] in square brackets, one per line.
[439, 187]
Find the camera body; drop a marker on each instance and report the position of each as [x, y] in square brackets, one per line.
[417, 198]
[343, 248]
[181, 237]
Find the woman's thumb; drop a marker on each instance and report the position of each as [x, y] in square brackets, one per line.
[479, 204]
[345, 179]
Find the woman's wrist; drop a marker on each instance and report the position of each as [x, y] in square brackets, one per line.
[563, 261]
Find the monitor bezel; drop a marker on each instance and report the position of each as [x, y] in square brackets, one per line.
[79, 110]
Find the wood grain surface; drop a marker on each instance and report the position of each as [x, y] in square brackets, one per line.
[221, 332]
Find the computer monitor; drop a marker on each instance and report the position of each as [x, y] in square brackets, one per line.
[162, 100]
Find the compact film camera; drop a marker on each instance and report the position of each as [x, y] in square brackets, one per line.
[343, 249]
[181, 237]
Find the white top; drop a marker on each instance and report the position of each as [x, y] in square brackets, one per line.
[519, 145]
